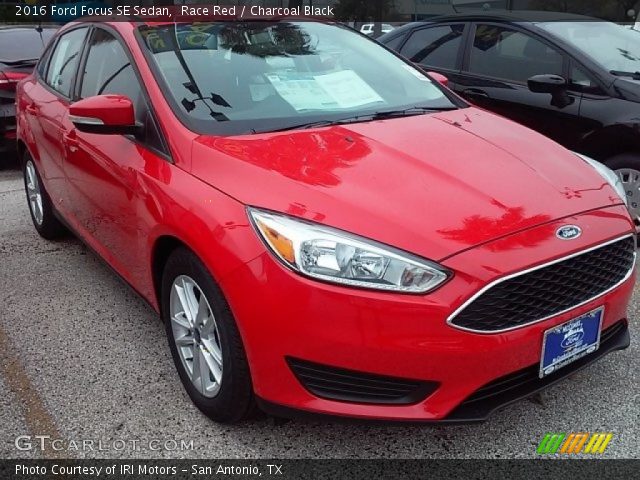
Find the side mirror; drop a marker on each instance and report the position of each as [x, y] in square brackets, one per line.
[547, 83]
[104, 114]
[555, 85]
[438, 77]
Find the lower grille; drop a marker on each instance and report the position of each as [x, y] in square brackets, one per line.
[525, 382]
[548, 290]
[350, 386]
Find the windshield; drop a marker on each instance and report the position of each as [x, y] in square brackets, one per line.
[614, 47]
[242, 77]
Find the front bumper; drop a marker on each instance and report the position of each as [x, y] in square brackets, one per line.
[499, 393]
[407, 336]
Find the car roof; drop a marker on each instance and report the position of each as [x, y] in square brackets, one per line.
[531, 16]
[520, 16]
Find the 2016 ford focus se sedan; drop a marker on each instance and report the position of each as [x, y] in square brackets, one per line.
[319, 236]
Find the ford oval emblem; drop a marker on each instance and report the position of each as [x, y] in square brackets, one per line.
[568, 232]
[572, 338]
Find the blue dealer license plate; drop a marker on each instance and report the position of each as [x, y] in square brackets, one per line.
[570, 341]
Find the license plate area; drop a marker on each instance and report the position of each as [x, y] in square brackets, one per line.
[570, 341]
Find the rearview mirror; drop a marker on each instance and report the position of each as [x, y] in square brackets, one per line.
[104, 114]
[438, 77]
[547, 83]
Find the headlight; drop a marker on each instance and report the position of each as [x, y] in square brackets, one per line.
[334, 256]
[609, 175]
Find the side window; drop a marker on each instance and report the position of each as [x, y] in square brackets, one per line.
[581, 82]
[394, 43]
[500, 52]
[435, 46]
[108, 70]
[44, 60]
[64, 61]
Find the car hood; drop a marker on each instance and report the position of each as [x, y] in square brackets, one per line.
[431, 184]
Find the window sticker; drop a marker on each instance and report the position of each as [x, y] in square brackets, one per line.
[338, 90]
[348, 89]
[301, 91]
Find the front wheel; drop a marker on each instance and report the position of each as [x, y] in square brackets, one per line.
[204, 340]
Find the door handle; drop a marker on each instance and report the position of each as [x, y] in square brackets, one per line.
[70, 141]
[475, 92]
[31, 109]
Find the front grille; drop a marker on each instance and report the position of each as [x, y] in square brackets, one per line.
[549, 290]
[525, 382]
[350, 386]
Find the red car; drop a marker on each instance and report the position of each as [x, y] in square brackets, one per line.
[323, 228]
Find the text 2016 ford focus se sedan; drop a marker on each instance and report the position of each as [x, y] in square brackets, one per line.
[320, 237]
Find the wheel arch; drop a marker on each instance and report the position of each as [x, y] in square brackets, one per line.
[611, 141]
[21, 147]
[162, 249]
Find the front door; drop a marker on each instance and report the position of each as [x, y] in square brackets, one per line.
[499, 61]
[106, 173]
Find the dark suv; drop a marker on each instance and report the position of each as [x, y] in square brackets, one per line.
[20, 48]
[573, 79]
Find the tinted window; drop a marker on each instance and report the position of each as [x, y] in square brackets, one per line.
[23, 43]
[108, 70]
[435, 46]
[44, 60]
[503, 53]
[394, 43]
[582, 82]
[64, 61]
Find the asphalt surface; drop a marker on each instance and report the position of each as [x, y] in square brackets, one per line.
[83, 358]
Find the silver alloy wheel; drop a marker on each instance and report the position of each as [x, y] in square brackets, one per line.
[196, 335]
[630, 179]
[34, 193]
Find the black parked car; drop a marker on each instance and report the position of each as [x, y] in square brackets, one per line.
[573, 79]
[20, 48]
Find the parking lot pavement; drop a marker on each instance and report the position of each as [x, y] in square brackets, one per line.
[83, 358]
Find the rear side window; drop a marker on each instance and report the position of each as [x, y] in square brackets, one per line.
[394, 43]
[44, 60]
[64, 61]
[501, 52]
[435, 46]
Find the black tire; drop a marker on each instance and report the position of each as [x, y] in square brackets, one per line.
[8, 159]
[631, 161]
[50, 227]
[235, 400]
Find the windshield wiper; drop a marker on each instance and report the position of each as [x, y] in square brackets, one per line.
[620, 73]
[22, 61]
[367, 117]
[407, 112]
[301, 126]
